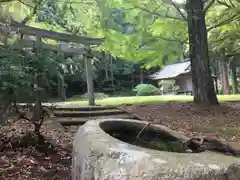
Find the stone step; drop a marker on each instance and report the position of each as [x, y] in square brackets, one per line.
[86, 108]
[87, 113]
[81, 121]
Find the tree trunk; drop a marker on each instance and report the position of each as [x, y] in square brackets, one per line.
[216, 85]
[234, 76]
[214, 65]
[59, 87]
[106, 65]
[38, 114]
[89, 77]
[203, 88]
[111, 71]
[220, 74]
[224, 73]
[141, 75]
[182, 51]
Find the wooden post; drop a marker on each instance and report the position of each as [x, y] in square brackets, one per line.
[61, 88]
[61, 79]
[89, 78]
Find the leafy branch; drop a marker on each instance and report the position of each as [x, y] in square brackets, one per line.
[158, 14]
[172, 40]
[209, 5]
[224, 22]
[33, 13]
[225, 4]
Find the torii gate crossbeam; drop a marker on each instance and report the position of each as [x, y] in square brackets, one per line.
[28, 30]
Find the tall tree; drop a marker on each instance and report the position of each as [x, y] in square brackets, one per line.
[203, 86]
[193, 13]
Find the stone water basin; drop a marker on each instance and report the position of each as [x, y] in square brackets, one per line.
[114, 149]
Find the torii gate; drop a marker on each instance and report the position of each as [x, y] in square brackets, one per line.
[14, 26]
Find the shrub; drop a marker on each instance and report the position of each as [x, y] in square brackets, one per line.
[146, 90]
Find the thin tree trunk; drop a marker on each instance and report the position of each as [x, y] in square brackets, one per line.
[106, 65]
[216, 85]
[220, 73]
[182, 51]
[111, 71]
[89, 77]
[224, 72]
[203, 87]
[214, 65]
[141, 76]
[37, 111]
[234, 76]
[59, 87]
[133, 85]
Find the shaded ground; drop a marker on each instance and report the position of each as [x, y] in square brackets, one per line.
[29, 163]
[32, 163]
[222, 120]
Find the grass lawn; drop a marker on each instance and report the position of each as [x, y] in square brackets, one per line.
[149, 99]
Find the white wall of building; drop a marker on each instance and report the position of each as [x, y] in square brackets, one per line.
[185, 83]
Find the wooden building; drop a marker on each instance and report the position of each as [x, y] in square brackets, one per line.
[180, 74]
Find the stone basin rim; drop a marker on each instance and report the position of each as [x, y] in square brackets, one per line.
[99, 132]
[115, 143]
[139, 124]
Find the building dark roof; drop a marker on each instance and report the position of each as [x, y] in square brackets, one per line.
[172, 70]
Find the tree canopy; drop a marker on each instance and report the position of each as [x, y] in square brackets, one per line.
[152, 33]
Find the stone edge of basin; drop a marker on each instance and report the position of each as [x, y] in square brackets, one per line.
[91, 139]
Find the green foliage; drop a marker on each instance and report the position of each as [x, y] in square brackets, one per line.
[137, 31]
[13, 75]
[21, 71]
[146, 90]
[145, 37]
[132, 33]
[223, 24]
